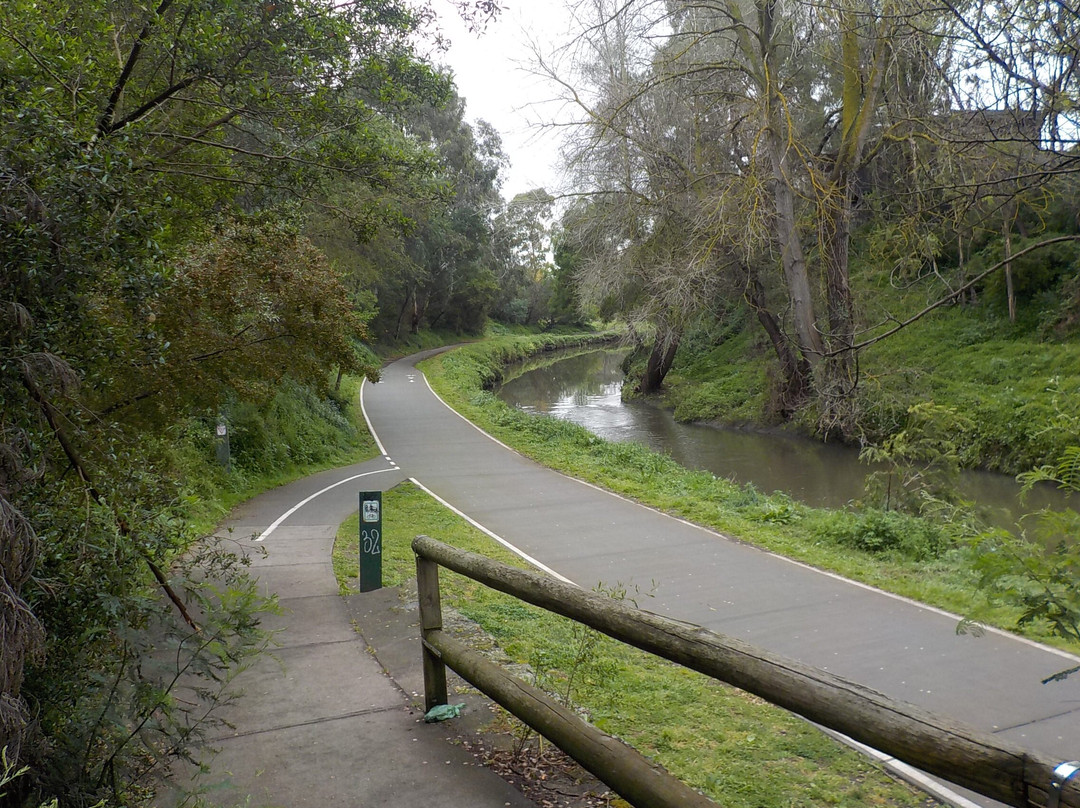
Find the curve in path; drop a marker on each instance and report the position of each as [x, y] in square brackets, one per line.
[903, 649]
[320, 723]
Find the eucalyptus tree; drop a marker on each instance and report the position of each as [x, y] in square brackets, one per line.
[421, 253]
[522, 242]
[449, 236]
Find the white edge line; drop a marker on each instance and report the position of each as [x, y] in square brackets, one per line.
[371, 429]
[478, 429]
[274, 525]
[1008, 635]
[935, 788]
[909, 601]
[539, 565]
[903, 770]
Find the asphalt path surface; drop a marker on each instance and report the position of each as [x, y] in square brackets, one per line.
[903, 649]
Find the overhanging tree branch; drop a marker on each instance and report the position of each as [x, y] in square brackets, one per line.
[954, 295]
[52, 417]
[105, 122]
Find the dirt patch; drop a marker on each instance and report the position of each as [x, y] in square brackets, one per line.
[546, 776]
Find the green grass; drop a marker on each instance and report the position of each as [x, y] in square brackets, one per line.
[736, 748]
[323, 437]
[822, 538]
[1020, 388]
[1020, 392]
[709, 390]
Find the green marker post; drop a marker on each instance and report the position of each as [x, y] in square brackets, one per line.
[370, 540]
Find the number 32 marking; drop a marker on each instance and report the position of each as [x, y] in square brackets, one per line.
[372, 542]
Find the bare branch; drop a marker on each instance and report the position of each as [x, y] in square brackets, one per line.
[954, 295]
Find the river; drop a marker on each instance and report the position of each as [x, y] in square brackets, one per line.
[587, 389]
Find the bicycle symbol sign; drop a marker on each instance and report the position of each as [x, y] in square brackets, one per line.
[371, 510]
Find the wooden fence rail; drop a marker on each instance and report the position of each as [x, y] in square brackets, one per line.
[928, 741]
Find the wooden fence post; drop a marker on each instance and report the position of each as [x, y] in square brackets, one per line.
[427, 585]
[636, 779]
[932, 742]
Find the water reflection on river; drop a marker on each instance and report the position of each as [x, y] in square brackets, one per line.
[586, 389]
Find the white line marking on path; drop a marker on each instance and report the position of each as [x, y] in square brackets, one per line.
[304, 502]
[539, 565]
[902, 599]
[371, 429]
[939, 789]
[528, 558]
[486, 434]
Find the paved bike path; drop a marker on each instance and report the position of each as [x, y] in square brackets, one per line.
[900, 648]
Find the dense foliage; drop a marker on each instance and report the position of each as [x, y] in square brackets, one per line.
[159, 166]
[459, 252]
[781, 162]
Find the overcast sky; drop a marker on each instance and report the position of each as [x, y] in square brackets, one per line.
[490, 70]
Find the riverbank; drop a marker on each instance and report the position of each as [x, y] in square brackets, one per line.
[912, 557]
[1018, 389]
[585, 386]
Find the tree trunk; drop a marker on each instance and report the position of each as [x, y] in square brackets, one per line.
[401, 313]
[660, 358]
[836, 241]
[417, 313]
[796, 373]
[796, 276]
[839, 376]
[859, 100]
[1010, 292]
[793, 258]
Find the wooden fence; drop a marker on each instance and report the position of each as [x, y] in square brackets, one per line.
[928, 741]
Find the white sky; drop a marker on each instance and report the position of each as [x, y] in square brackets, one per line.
[490, 70]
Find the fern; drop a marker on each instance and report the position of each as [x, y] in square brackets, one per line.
[1068, 469]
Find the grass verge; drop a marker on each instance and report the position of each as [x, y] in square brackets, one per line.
[736, 748]
[899, 554]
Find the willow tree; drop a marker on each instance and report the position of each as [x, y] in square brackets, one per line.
[796, 117]
[637, 156]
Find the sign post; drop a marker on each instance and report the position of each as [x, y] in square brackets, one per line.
[370, 540]
[221, 443]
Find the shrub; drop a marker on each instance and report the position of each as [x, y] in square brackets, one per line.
[296, 427]
[883, 533]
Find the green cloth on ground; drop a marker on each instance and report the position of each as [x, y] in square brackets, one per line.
[443, 712]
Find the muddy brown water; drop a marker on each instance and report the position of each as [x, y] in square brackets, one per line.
[587, 390]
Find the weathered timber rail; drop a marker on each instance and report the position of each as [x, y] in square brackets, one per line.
[934, 743]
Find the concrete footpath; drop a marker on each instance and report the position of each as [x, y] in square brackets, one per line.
[320, 722]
